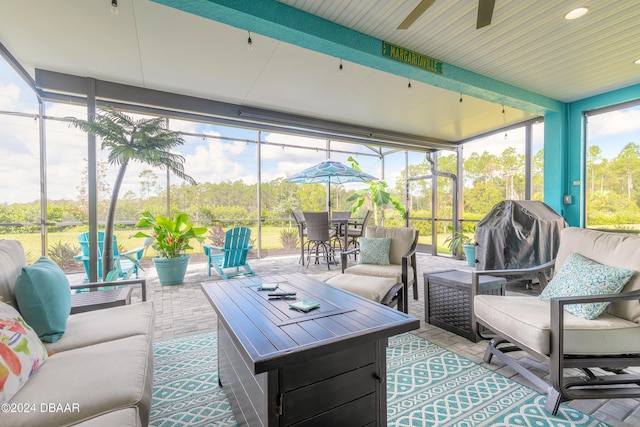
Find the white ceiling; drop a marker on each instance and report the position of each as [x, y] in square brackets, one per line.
[528, 45]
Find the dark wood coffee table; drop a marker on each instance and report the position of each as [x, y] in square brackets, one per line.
[281, 367]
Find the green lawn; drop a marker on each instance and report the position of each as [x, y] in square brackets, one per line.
[270, 240]
[31, 241]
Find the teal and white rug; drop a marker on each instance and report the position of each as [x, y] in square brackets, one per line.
[427, 385]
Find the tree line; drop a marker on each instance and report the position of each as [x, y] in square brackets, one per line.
[612, 191]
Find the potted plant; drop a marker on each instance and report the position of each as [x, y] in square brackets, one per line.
[171, 238]
[377, 193]
[458, 238]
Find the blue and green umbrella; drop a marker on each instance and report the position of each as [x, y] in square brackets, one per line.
[329, 172]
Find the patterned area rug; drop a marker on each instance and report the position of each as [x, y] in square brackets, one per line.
[185, 383]
[427, 385]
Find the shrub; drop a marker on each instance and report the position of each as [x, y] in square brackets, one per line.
[63, 253]
[217, 236]
[289, 238]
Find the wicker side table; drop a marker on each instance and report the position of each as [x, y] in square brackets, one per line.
[448, 299]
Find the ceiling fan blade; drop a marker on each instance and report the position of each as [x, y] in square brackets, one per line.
[485, 12]
[415, 14]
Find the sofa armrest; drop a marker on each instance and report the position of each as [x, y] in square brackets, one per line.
[129, 282]
[344, 257]
[538, 270]
[410, 259]
[556, 356]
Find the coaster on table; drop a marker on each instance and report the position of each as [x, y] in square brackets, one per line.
[304, 305]
[268, 287]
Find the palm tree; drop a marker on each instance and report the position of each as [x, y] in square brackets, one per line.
[146, 141]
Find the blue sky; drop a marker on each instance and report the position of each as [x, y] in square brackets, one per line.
[213, 162]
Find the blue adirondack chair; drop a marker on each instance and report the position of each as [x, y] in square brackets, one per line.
[126, 264]
[232, 255]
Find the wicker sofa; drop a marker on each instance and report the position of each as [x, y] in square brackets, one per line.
[99, 373]
[588, 356]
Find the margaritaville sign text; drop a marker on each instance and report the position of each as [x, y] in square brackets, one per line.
[412, 58]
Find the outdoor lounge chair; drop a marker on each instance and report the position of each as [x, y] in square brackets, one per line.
[587, 359]
[401, 262]
[232, 255]
[126, 264]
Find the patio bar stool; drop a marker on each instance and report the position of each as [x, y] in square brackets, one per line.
[302, 232]
[340, 222]
[319, 237]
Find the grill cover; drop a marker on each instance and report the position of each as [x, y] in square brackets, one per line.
[518, 234]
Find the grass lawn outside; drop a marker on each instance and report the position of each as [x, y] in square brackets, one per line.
[271, 243]
[31, 241]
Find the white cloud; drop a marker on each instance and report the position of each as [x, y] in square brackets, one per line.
[497, 143]
[9, 97]
[614, 123]
[216, 162]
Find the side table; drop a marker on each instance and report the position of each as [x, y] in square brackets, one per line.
[97, 300]
[448, 300]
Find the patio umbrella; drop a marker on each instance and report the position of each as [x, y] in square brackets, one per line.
[329, 172]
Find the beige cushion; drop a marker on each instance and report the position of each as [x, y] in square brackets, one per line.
[12, 259]
[393, 271]
[93, 327]
[527, 321]
[99, 379]
[121, 418]
[613, 249]
[401, 240]
[373, 288]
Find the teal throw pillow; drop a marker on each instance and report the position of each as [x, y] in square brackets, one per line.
[583, 276]
[44, 299]
[374, 250]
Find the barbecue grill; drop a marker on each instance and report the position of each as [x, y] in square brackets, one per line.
[518, 234]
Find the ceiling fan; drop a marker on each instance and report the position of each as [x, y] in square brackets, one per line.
[485, 12]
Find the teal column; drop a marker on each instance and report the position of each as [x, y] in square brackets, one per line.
[575, 166]
[555, 147]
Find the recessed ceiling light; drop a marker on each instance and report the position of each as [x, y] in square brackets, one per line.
[576, 13]
[637, 61]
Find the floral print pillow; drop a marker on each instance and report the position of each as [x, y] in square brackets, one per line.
[21, 352]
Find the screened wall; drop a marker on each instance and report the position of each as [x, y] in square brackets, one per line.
[240, 174]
